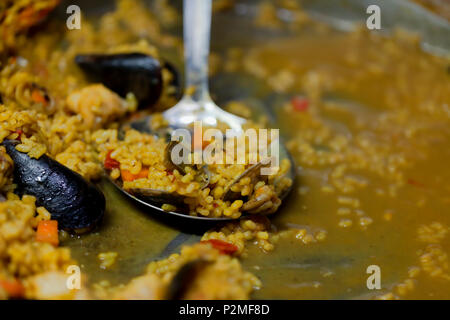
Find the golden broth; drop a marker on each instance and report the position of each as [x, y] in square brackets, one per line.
[379, 110]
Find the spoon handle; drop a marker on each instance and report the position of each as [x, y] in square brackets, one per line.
[197, 29]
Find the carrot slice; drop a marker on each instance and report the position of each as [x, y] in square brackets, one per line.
[222, 246]
[143, 174]
[14, 288]
[47, 231]
[128, 176]
[38, 97]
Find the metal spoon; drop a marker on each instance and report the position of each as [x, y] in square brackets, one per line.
[196, 104]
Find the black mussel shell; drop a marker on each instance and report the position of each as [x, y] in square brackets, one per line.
[76, 204]
[127, 72]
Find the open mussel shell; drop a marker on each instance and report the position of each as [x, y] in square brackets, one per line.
[263, 203]
[168, 159]
[138, 73]
[254, 172]
[203, 176]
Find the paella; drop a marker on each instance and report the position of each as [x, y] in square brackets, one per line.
[364, 115]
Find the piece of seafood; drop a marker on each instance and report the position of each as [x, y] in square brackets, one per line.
[203, 176]
[97, 105]
[263, 200]
[253, 172]
[138, 73]
[76, 204]
[184, 277]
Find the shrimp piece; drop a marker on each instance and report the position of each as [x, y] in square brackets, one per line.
[97, 105]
